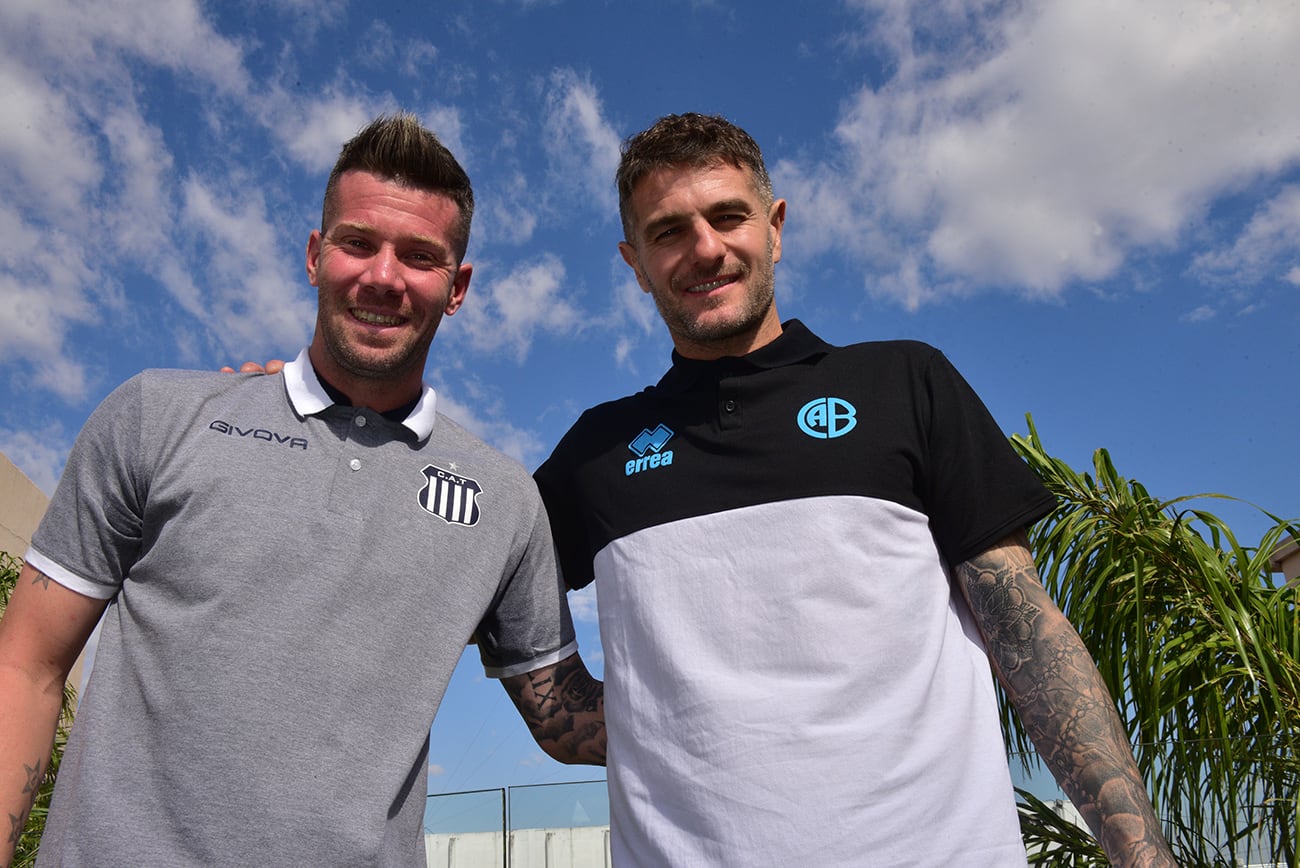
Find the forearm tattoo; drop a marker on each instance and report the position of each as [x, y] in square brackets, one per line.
[565, 709]
[1063, 703]
[17, 822]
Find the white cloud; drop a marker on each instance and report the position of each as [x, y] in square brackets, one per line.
[1043, 142]
[508, 211]
[87, 176]
[50, 156]
[312, 131]
[1200, 314]
[43, 280]
[446, 124]
[582, 147]
[255, 302]
[507, 312]
[87, 40]
[634, 316]
[485, 418]
[40, 458]
[1268, 246]
[583, 605]
[380, 47]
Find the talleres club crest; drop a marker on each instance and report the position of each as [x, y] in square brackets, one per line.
[450, 496]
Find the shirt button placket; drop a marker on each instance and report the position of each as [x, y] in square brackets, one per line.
[729, 412]
[360, 421]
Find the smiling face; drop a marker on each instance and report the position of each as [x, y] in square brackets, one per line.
[386, 272]
[704, 244]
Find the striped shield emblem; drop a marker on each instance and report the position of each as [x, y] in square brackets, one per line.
[450, 496]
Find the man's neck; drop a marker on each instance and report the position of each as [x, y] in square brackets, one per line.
[384, 396]
[737, 345]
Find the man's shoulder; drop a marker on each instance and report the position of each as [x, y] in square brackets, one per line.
[899, 348]
[596, 420]
[450, 437]
[170, 389]
[200, 381]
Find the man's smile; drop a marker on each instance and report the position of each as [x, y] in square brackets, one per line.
[376, 318]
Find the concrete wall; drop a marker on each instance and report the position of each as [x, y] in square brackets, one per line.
[529, 848]
[21, 506]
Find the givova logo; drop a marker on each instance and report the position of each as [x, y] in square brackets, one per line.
[827, 418]
[648, 446]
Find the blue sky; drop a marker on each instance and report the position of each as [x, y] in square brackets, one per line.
[1092, 207]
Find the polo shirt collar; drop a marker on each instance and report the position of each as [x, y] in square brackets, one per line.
[308, 397]
[795, 344]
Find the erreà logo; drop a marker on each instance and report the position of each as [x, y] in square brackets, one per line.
[649, 449]
[450, 496]
[827, 418]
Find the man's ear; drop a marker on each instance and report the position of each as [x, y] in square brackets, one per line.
[776, 217]
[313, 255]
[459, 287]
[629, 254]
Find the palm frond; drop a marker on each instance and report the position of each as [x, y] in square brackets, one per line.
[1197, 644]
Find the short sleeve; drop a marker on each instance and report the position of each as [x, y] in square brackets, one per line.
[529, 625]
[976, 489]
[91, 533]
[557, 488]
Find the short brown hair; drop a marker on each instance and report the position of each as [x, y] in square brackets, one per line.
[689, 139]
[397, 148]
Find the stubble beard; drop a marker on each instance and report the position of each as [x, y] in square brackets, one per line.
[759, 298]
[370, 363]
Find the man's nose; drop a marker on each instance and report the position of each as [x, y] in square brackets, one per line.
[385, 271]
[708, 246]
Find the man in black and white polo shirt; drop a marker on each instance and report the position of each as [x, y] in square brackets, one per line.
[806, 556]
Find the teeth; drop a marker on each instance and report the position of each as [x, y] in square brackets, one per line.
[375, 318]
[711, 285]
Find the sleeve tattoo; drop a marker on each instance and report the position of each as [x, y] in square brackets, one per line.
[1051, 680]
[564, 708]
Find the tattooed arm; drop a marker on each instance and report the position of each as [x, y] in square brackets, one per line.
[564, 708]
[41, 634]
[1062, 701]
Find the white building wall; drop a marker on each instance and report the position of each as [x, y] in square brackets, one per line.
[586, 847]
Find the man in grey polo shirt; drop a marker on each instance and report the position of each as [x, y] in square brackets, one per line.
[263, 691]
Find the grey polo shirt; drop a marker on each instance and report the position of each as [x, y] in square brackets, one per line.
[292, 582]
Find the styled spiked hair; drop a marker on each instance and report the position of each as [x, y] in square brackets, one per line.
[397, 148]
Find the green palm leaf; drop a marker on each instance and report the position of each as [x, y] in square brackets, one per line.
[1198, 645]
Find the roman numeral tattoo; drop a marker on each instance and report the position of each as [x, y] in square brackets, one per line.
[564, 708]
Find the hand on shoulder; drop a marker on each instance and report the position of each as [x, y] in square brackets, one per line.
[274, 366]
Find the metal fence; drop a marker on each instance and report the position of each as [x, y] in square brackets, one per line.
[537, 826]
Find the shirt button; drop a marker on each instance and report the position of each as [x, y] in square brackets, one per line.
[355, 464]
[361, 421]
[729, 406]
